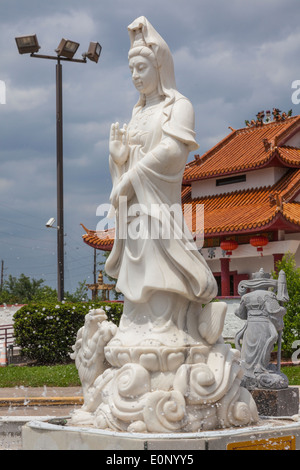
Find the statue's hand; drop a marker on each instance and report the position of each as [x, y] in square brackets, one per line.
[123, 188]
[118, 143]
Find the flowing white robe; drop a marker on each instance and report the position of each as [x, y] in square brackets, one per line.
[161, 270]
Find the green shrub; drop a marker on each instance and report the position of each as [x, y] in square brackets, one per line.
[291, 331]
[46, 332]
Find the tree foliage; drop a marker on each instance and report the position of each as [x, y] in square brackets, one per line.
[23, 290]
[291, 331]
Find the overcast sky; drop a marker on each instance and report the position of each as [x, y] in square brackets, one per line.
[232, 59]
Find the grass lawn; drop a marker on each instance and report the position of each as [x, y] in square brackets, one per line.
[38, 376]
[67, 376]
[293, 374]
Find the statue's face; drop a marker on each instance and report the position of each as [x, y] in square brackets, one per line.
[144, 74]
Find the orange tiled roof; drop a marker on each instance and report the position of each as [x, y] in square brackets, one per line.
[292, 212]
[186, 193]
[289, 155]
[247, 149]
[251, 210]
[103, 240]
[242, 211]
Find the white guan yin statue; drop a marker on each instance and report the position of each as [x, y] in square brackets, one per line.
[166, 367]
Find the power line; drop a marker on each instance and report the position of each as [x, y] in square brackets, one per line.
[21, 225]
[19, 211]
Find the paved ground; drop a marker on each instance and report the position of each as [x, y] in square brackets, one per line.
[40, 392]
[22, 404]
[7, 313]
[47, 401]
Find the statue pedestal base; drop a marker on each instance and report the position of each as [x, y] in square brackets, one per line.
[268, 434]
[133, 382]
[283, 402]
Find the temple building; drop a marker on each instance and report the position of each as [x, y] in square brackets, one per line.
[249, 187]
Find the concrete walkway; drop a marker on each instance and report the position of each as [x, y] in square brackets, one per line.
[20, 405]
[38, 401]
[35, 401]
[16, 392]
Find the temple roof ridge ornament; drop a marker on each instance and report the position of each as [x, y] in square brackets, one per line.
[261, 274]
[260, 120]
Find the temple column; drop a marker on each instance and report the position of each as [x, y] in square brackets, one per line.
[277, 257]
[225, 277]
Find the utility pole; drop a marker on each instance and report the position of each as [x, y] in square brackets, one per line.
[2, 275]
[95, 266]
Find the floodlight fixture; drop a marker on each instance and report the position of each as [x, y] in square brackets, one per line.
[67, 48]
[93, 52]
[65, 52]
[28, 44]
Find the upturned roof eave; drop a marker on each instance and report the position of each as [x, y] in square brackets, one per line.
[99, 246]
[274, 159]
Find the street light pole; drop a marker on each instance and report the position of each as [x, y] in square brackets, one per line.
[65, 51]
[59, 170]
[60, 183]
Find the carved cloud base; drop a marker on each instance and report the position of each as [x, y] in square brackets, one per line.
[163, 389]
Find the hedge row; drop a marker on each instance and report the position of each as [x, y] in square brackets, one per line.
[47, 332]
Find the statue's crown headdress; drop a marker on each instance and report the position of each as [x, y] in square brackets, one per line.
[139, 40]
[261, 275]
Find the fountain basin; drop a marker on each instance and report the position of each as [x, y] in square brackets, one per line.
[268, 434]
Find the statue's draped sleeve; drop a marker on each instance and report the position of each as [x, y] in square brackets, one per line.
[156, 180]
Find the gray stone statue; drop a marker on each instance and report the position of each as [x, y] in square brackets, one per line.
[263, 310]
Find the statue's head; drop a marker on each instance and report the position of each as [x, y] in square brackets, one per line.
[151, 49]
[149, 45]
[143, 66]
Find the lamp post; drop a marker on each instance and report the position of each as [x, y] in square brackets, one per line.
[65, 52]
